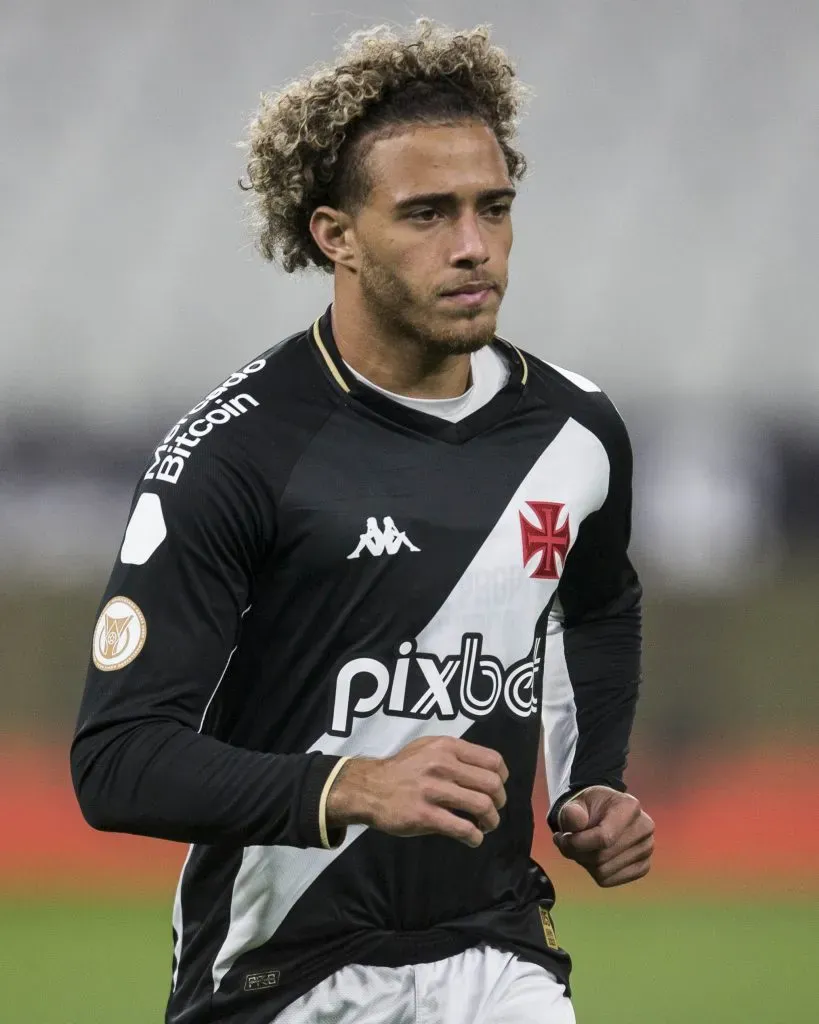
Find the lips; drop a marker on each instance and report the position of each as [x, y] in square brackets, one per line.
[470, 295]
[471, 288]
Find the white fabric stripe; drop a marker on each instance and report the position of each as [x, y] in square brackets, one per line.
[580, 381]
[177, 902]
[558, 710]
[495, 597]
[177, 919]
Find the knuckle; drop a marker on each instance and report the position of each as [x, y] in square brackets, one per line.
[485, 804]
[492, 818]
[464, 831]
[440, 764]
[429, 791]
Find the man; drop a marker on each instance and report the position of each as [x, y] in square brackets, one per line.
[354, 576]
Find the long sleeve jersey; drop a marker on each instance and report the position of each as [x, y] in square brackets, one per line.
[311, 571]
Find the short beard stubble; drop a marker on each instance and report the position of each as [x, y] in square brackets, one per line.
[390, 299]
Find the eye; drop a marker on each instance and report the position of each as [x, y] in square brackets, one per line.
[498, 209]
[426, 216]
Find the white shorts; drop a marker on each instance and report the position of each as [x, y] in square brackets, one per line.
[480, 986]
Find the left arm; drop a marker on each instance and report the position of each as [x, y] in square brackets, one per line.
[592, 675]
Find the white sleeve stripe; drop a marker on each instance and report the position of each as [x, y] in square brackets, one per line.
[558, 713]
[178, 921]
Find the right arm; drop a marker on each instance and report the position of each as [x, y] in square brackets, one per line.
[436, 784]
[139, 762]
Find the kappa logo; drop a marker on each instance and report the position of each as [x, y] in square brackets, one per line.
[119, 635]
[170, 458]
[420, 685]
[382, 540]
[550, 539]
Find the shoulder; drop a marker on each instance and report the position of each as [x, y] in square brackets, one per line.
[579, 397]
[255, 421]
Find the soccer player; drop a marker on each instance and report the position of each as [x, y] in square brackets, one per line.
[360, 574]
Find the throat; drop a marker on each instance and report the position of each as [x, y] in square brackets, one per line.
[416, 399]
[403, 366]
[434, 378]
[488, 375]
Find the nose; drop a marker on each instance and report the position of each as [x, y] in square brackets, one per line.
[470, 246]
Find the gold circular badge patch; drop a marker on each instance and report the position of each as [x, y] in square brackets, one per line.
[119, 635]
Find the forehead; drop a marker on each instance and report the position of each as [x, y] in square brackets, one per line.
[462, 158]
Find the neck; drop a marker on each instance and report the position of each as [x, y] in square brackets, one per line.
[392, 361]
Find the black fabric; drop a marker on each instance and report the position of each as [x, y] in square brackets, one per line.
[319, 543]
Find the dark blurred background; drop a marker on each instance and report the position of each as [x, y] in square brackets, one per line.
[667, 247]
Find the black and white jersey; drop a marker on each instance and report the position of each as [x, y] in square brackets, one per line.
[312, 571]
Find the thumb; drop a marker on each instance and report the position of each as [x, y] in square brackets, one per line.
[573, 817]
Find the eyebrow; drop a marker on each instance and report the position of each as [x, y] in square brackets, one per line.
[438, 198]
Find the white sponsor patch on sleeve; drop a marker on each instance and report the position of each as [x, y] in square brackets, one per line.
[146, 531]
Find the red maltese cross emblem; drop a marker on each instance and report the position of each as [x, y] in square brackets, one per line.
[548, 539]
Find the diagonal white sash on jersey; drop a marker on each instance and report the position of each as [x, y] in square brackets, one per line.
[496, 597]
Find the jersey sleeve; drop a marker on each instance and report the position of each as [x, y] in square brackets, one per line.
[593, 641]
[170, 619]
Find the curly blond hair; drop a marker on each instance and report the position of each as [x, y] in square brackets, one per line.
[305, 142]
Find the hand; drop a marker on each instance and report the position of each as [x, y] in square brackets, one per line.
[608, 833]
[417, 791]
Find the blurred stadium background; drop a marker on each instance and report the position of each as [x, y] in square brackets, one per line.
[667, 247]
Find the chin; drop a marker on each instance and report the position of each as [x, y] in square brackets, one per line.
[461, 346]
[468, 336]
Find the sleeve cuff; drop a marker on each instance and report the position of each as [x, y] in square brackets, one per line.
[336, 836]
[319, 778]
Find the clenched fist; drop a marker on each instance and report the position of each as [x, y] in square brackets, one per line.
[608, 833]
[417, 791]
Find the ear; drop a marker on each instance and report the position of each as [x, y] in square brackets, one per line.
[332, 231]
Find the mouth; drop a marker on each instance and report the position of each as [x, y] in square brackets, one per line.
[470, 295]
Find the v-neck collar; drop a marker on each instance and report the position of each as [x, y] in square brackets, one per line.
[481, 419]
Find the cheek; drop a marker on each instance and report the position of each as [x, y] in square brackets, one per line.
[425, 265]
[406, 269]
[414, 271]
[503, 241]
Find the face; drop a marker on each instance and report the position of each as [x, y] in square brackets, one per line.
[437, 219]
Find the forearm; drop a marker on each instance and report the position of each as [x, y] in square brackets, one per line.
[162, 779]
